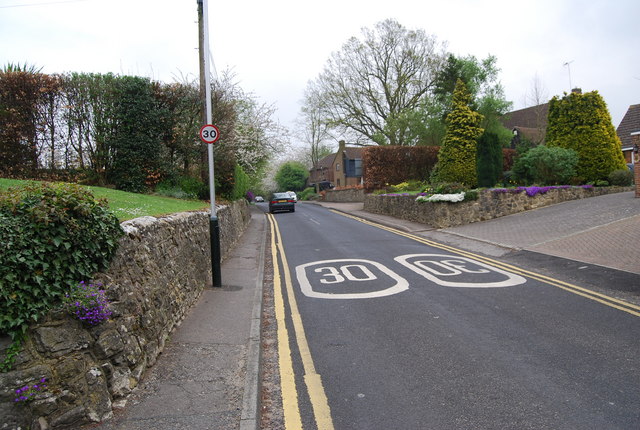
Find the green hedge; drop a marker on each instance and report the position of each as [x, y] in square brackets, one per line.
[53, 236]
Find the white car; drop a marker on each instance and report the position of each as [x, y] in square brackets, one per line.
[293, 196]
[259, 199]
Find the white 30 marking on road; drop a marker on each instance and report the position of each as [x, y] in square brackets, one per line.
[339, 271]
[443, 270]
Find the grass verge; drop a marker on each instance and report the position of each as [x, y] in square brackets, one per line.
[131, 205]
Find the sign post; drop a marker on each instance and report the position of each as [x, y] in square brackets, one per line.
[209, 133]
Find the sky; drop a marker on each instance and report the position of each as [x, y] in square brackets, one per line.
[274, 48]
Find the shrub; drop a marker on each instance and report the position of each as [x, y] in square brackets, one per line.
[449, 188]
[308, 194]
[53, 235]
[489, 160]
[546, 165]
[621, 177]
[240, 183]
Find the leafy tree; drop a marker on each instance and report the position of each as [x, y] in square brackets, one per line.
[546, 165]
[457, 156]
[291, 176]
[369, 89]
[24, 97]
[489, 159]
[487, 94]
[137, 140]
[582, 122]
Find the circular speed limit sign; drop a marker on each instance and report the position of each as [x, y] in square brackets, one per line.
[209, 133]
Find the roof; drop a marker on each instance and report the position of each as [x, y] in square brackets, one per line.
[353, 153]
[531, 121]
[325, 162]
[630, 124]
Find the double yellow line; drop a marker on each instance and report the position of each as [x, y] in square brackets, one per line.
[592, 295]
[313, 381]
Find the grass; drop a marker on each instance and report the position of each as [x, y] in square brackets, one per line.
[131, 205]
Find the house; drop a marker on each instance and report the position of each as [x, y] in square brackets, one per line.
[629, 126]
[528, 123]
[343, 168]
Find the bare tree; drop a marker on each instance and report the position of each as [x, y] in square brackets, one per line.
[371, 87]
[312, 129]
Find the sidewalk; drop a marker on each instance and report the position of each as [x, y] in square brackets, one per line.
[208, 375]
[600, 230]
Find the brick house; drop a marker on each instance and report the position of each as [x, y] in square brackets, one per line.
[342, 168]
[630, 125]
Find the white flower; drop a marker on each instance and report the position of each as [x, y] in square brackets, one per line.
[442, 198]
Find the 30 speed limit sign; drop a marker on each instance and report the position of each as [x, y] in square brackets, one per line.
[209, 133]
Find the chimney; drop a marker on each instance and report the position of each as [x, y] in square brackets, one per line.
[577, 90]
[341, 146]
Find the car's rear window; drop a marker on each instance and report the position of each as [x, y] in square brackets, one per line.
[280, 196]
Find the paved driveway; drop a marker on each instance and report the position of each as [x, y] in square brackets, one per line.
[602, 230]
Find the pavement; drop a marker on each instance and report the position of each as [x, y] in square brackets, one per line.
[208, 375]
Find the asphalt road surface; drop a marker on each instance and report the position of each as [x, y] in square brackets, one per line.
[379, 329]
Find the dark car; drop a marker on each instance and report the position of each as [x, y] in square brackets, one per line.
[281, 202]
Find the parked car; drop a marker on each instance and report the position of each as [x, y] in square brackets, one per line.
[259, 199]
[293, 196]
[281, 202]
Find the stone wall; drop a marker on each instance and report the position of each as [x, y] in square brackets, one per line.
[348, 195]
[158, 273]
[489, 205]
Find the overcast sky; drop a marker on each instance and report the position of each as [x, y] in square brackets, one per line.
[275, 47]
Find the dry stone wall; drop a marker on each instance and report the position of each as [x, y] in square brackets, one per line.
[158, 273]
[347, 195]
[490, 204]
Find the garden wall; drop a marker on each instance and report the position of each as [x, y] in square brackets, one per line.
[348, 195]
[158, 273]
[490, 204]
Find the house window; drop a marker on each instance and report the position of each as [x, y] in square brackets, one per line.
[338, 167]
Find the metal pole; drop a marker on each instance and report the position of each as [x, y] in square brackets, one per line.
[214, 227]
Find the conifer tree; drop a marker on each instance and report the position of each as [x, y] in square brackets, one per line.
[489, 156]
[457, 156]
[582, 122]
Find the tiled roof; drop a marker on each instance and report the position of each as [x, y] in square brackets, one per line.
[353, 153]
[531, 117]
[630, 124]
[325, 162]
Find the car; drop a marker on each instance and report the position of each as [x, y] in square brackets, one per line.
[293, 196]
[281, 202]
[259, 199]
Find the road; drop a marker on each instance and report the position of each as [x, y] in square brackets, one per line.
[380, 329]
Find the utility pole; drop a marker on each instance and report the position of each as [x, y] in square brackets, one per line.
[205, 94]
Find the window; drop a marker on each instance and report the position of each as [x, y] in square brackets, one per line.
[338, 167]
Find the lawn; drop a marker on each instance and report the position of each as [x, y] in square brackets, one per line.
[131, 205]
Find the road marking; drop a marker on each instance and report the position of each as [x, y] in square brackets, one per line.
[621, 305]
[354, 270]
[291, 409]
[444, 269]
[313, 381]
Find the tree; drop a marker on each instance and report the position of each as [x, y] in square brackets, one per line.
[312, 129]
[137, 140]
[291, 176]
[24, 99]
[370, 89]
[486, 92]
[582, 122]
[489, 159]
[457, 156]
